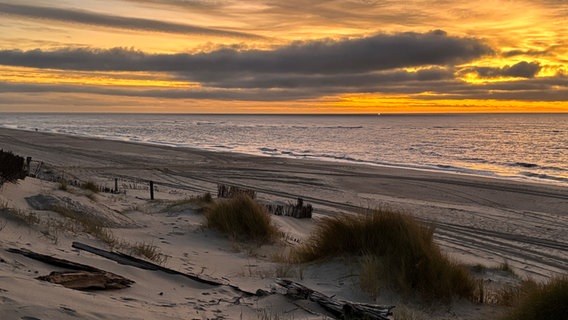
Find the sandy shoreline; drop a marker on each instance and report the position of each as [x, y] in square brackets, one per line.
[41, 146]
[494, 210]
[477, 219]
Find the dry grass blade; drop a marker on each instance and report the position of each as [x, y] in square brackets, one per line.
[148, 251]
[24, 217]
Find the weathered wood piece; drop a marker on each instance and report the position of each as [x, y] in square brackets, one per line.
[298, 210]
[225, 191]
[28, 165]
[83, 277]
[146, 265]
[87, 280]
[61, 263]
[340, 309]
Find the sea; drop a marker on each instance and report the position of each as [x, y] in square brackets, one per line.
[527, 147]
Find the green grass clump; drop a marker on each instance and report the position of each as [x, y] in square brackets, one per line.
[409, 258]
[542, 301]
[241, 218]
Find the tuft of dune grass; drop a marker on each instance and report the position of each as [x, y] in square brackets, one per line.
[241, 218]
[91, 186]
[410, 260]
[201, 201]
[63, 186]
[148, 251]
[542, 301]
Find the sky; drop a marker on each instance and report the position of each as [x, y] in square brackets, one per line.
[293, 56]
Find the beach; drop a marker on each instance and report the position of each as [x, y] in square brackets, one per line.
[478, 220]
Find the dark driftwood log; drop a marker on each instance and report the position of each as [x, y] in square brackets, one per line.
[83, 277]
[146, 265]
[62, 263]
[338, 308]
[118, 257]
[87, 280]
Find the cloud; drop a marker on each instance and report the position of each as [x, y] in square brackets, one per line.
[187, 4]
[344, 81]
[111, 21]
[534, 89]
[170, 93]
[550, 51]
[348, 56]
[522, 69]
[394, 83]
[533, 53]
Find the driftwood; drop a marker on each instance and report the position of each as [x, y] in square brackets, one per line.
[138, 263]
[87, 280]
[338, 308]
[83, 277]
[146, 265]
[61, 263]
[298, 210]
[225, 191]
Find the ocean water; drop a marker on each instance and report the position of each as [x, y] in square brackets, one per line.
[531, 147]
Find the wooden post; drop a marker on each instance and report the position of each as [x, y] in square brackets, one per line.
[151, 190]
[115, 185]
[28, 165]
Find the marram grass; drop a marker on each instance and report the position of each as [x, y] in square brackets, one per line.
[241, 218]
[410, 260]
[542, 301]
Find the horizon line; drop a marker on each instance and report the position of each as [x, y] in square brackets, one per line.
[292, 114]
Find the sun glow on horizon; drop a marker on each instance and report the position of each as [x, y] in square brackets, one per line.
[127, 79]
[386, 104]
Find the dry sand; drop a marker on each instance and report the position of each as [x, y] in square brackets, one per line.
[478, 220]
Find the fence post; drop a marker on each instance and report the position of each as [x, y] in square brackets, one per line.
[151, 190]
[115, 185]
[28, 165]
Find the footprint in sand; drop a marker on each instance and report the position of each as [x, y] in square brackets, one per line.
[69, 311]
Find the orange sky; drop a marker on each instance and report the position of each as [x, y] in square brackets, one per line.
[296, 56]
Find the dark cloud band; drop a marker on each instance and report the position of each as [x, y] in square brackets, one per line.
[110, 21]
[379, 52]
[522, 69]
[536, 89]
